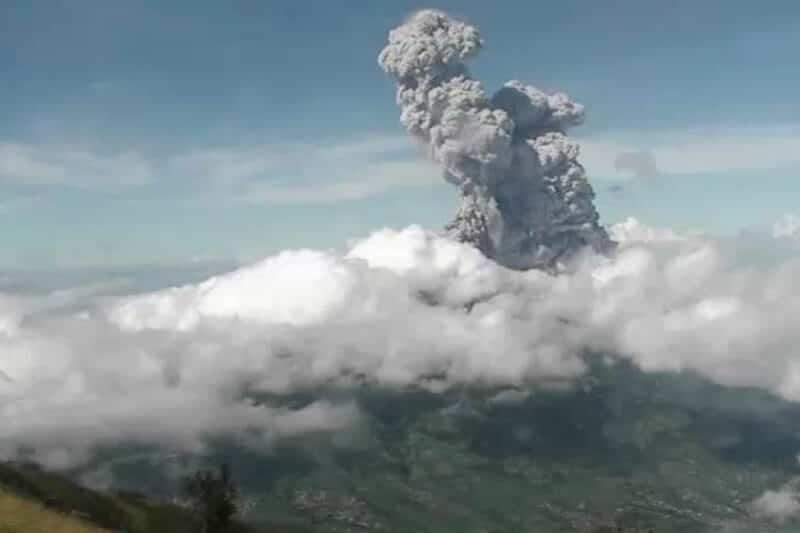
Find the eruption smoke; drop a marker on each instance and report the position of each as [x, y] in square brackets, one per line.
[525, 199]
[181, 367]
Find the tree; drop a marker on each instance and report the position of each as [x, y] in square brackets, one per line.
[212, 495]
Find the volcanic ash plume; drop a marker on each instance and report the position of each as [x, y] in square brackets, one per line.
[525, 199]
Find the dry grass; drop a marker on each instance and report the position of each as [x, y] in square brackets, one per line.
[18, 515]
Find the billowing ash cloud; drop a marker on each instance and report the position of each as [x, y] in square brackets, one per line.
[525, 199]
[183, 366]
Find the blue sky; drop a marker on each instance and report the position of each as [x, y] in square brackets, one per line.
[141, 133]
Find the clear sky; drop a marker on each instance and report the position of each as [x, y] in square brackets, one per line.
[150, 132]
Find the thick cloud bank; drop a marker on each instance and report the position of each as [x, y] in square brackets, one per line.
[180, 366]
[525, 199]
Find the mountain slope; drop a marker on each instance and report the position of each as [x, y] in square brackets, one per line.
[663, 452]
[35, 500]
[667, 452]
[21, 515]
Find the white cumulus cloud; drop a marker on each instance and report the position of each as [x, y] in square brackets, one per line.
[779, 505]
[178, 366]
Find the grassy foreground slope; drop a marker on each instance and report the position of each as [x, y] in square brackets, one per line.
[21, 515]
[33, 500]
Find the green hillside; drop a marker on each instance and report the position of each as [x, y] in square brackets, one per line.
[622, 451]
[664, 452]
[22, 515]
[32, 500]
